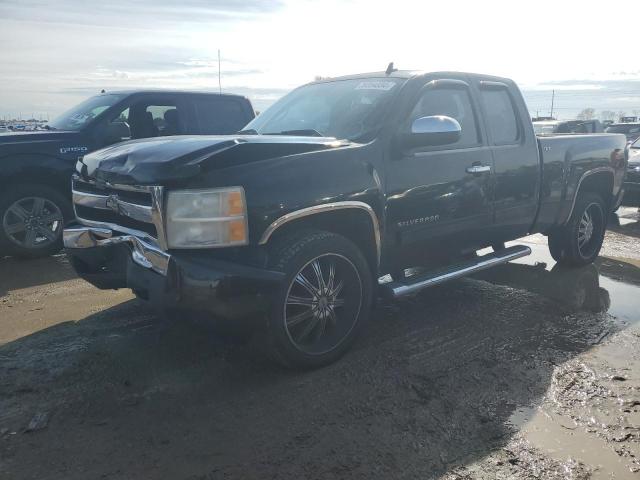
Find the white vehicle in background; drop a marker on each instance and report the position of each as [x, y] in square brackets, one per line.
[634, 152]
[632, 180]
[631, 130]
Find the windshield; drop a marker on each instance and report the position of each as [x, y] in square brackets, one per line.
[636, 144]
[81, 114]
[345, 109]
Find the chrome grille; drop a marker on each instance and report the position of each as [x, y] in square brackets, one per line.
[125, 208]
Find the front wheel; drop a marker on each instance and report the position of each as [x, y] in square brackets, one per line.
[322, 304]
[579, 241]
[31, 220]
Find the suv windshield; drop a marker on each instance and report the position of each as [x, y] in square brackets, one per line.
[344, 109]
[81, 114]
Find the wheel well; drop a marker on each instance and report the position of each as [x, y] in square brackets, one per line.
[600, 183]
[353, 223]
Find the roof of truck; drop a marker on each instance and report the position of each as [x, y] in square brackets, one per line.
[169, 91]
[406, 74]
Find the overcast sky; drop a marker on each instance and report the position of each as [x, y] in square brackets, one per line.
[55, 53]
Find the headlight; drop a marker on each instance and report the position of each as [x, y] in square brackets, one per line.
[206, 218]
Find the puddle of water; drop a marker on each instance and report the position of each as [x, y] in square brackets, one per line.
[564, 436]
[562, 440]
[623, 298]
[627, 215]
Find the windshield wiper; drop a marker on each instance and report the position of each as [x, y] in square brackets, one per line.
[249, 131]
[309, 132]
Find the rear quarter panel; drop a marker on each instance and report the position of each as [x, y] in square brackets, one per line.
[568, 158]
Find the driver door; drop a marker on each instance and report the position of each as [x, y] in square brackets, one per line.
[440, 197]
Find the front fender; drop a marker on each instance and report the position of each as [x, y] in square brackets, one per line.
[282, 186]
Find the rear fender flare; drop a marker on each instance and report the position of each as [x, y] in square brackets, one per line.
[595, 171]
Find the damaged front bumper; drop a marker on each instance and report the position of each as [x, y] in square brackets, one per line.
[144, 253]
[189, 280]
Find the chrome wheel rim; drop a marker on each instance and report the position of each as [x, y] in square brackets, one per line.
[33, 222]
[322, 304]
[589, 230]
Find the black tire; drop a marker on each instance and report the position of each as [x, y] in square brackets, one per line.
[43, 212]
[332, 317]
[577, 244]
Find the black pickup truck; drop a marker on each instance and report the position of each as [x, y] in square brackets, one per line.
[36, 167]
[345, 188]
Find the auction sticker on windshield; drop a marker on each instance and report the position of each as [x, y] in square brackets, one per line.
[375, 85]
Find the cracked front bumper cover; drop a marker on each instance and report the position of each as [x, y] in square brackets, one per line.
[189, 280]
[144, 253]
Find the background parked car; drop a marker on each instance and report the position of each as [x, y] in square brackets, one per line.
[568, 126]
[36, 166]
[632, 181]
[631, 130]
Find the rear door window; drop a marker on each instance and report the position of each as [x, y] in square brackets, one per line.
[220, 116]
[156, 116]
[166, 119]
[500, 115]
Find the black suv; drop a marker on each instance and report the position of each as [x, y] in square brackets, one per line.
[36, 167]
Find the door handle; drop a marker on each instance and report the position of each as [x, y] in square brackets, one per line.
[479, 169]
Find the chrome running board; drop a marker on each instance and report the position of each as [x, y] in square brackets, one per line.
[413, 284]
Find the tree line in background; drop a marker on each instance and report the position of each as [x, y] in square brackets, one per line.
[590, 114]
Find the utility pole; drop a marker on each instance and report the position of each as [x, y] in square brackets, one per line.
[219, 74]
[553, 96]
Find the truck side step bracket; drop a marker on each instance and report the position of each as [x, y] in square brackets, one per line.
[418, 282]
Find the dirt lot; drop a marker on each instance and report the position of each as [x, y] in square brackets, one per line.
[527, 371]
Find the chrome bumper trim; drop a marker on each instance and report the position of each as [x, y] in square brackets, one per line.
[143, 252]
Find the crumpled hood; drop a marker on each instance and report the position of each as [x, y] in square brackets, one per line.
[169, 160]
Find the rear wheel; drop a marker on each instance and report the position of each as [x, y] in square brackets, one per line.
[323, 302]
[31, 220]
[580, 240]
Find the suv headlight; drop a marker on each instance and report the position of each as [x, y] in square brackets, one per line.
[206, 218]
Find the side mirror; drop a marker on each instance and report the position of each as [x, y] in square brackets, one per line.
[433, 131]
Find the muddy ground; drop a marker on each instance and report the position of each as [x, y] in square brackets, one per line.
[526, 371]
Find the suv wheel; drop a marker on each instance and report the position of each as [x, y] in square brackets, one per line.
[323, 302]
[579, 241]
[31, 220]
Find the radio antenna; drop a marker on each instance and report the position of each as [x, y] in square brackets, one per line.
[219, 78]
[390, 69]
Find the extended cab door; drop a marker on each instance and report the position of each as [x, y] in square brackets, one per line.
[515, 158]
[439, 197]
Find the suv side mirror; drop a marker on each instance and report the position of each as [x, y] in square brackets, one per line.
[433, 131]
